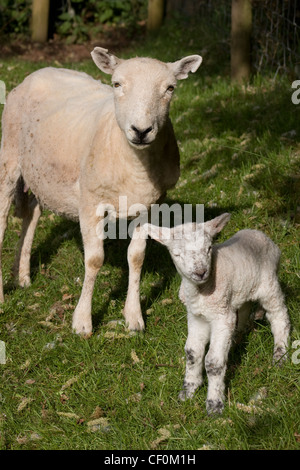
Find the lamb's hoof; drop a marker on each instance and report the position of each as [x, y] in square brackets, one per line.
[279, 356]
[214, 407]
[185, 395]
[188, 391]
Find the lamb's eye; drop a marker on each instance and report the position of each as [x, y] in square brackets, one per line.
[171, 88]
[176, 253]
[116, 84]
[209, 250]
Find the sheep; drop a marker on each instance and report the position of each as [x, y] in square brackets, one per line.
[78, 144]
[219, 282]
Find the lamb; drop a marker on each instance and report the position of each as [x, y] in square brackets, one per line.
[219, 282]
[79, 144]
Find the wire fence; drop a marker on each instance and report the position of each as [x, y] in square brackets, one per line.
[275, 34]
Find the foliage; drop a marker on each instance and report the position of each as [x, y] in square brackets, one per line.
[77, 20]
[14, 16]
[83, 19]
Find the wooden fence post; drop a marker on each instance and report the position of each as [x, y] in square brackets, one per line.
[155, 14]
[241, 27]
[40, 16]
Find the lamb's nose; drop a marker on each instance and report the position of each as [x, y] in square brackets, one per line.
[141, 133]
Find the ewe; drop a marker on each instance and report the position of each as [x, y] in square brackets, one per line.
[218, 284]
[78, 144]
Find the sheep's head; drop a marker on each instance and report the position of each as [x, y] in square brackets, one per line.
[190, 245]
[143, 90]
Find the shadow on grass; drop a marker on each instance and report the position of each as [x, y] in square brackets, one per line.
[115, 256]
[254, 126]
[157, 260]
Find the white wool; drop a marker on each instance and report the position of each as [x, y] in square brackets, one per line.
[79, 145]
[218, 285]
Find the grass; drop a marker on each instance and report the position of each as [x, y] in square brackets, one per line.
[118, 390]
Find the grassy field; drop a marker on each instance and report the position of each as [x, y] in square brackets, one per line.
[240, 153]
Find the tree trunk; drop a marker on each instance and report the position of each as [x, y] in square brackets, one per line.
[241, 26]
[40, 14]
[155, 14]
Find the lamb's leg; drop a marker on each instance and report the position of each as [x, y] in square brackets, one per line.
[93, 260]
[22, 262]
[198, 337]
[222, 330]
[135, 255]
[277, 315]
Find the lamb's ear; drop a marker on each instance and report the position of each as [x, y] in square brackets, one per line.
[160, 234]
[182, 68]
[105, 61]
[215, 225]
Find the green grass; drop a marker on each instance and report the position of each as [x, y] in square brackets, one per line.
[236, 155]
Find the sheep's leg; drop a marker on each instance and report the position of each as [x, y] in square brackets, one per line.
[135, 256]
[4, 209]
[93, 260]
[22, 262]
[222, 330]
[277, 315]
[8, 180]
[198, 337]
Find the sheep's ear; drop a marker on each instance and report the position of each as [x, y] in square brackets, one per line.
[160, 234]
[105, 61]
[215, 225]
[183, 67]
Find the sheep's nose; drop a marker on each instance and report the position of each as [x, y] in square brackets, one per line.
[200, 273]
[140, 134]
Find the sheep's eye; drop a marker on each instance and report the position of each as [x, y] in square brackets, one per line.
[176, 253]
[171, 88]
[116, 84]
[209, 250]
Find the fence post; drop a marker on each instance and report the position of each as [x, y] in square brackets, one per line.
[241, 27]
[155, 14]
[40, 16]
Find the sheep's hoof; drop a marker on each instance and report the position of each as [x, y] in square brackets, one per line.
[82, 329]
[134, 323]
[214, 407]
[24, 281]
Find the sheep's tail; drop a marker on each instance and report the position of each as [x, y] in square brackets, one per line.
[21, 199]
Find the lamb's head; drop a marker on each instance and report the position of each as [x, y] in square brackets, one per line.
[190, 245]
[143, 90]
